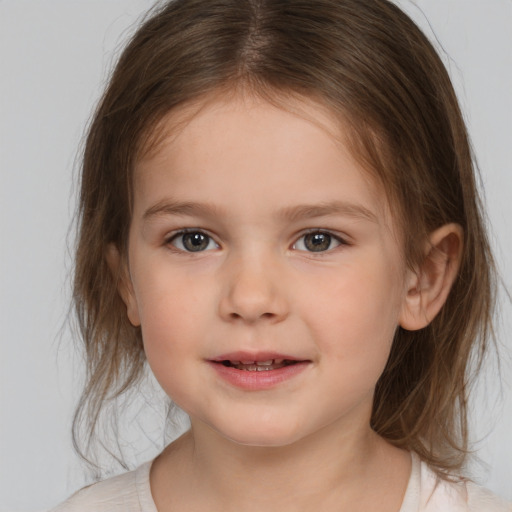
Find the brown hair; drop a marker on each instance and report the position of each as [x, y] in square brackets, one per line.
[366, 61]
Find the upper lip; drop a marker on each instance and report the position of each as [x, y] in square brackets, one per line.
[253, 356]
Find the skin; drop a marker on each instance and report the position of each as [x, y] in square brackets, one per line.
[255, 180]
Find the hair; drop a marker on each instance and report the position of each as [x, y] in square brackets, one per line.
[367, 62]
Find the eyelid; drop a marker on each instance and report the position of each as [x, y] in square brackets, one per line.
[180, 232]
[342, 240]
[339, 238]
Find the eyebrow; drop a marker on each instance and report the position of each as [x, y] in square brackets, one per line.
[354, 210]
[291, 214]
[169, 207]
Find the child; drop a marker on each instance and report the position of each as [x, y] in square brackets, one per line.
[279, 213]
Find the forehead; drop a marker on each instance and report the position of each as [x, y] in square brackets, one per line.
[290, 150]
[240, 99]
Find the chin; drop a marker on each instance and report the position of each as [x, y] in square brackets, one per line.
[262, 436]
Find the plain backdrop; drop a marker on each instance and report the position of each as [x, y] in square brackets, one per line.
[54, 59]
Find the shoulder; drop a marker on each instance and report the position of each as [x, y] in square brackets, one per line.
[129, 492]
[480, 499]
[464, 496]
[457, 495]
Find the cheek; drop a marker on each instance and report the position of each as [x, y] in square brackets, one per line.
[355, 318]
[171, 309]
[172, 344]
[168, 297]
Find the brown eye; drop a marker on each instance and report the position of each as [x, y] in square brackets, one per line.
[318, 241]
[193, 241]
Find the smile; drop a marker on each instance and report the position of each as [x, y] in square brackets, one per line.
[258, 366]
[257, 372]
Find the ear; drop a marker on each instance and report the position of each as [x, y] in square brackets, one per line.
[428, 287]
[119, 268]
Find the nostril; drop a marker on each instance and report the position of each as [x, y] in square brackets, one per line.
[252, 318]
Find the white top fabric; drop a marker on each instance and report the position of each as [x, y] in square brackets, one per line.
[425, 492]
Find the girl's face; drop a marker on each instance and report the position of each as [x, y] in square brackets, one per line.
[265, 271]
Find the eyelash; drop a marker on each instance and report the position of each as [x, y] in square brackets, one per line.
[179, 236]
[316, 232]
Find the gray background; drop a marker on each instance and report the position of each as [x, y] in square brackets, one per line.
[54, 59]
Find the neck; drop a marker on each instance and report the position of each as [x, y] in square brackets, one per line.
[329, 470]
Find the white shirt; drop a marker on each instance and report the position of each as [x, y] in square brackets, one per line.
[131, 492]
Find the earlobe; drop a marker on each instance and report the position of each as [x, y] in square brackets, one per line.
[428, 287]
[119, 268]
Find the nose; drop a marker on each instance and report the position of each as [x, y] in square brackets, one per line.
[254, 291]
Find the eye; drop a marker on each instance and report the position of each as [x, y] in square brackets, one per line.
[317, 241]
[193, 241]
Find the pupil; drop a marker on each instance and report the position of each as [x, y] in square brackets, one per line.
[195, 241]
[317, 242]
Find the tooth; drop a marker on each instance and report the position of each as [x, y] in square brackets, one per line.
[234, 363]
[278, 361]
[263, 368]
[265, 363]
[248, 362]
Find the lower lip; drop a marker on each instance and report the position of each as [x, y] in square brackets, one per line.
[258, 380]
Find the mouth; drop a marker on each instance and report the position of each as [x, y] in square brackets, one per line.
[258, 371]
[258, 366]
